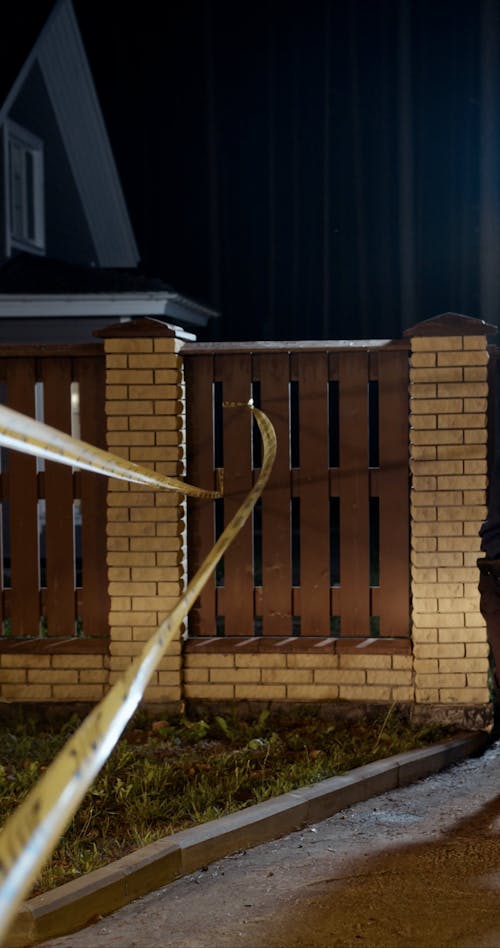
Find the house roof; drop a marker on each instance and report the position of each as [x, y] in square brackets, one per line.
[57, 58]
[32, 286]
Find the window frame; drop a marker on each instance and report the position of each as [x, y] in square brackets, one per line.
[30, 236]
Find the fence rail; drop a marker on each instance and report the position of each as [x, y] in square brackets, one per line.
[327, 553]
[53, 558]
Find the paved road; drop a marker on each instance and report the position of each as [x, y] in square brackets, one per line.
[417, 867]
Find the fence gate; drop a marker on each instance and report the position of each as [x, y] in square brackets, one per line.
[53, 553]
[327, 551]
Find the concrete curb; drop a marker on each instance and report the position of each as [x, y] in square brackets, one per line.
[75, 904]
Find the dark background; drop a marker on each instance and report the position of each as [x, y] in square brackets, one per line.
[310, 169]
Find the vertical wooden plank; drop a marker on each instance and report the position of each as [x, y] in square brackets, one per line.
[60, 597]
[394, 594]
[90, 373]
[198, 373]
[235, 373]
[314, 494]
[354, 494]
[276, 568]
[23, 508]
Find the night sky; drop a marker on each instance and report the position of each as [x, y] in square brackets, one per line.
[310, 169]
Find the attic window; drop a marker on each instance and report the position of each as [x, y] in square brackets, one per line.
[24, 179]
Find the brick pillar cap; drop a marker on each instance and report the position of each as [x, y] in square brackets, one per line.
[144, 327]
[451, 324]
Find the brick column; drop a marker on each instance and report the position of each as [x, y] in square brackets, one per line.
[144, 527]
[448, 446]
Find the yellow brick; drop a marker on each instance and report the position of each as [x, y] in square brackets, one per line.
[168, 678]
[423, 605]
[78, 661]
[134, 589]
[155, 361]
[437, 468]
[464, 390]
[424, 514]
[466, 634]
[422, 359]
[117, 361]
[93, 676]
[451, 620]
[426, 695]
[424, 452]
[422, 545]
[170, 662]
[350, 676]
[52, 675]
[389, 677]
[266, 660]
[167, 376]
[444, 437]
[423, 422]
[459, 543]
[438, 529]
[436, 343]
[475, 404]
[437, 498]
[439, 650]
[475, 513]
[118, 514]
[293, 676]
[476, 680]
[77, 692]
[208, 660]
[466, 482]
[131, 530]
[162, 693]
[12, 675]
[130, 438]
[466, 665]
[148, 617]
[402, 661]
[420, 483]
[128, 345]
[117, 543]
[462, 451]
[476, 437]
[435, 406]
[129, 377]
[260, 692]
[466, 574]
[437, 559]
[312, 692]
[464, 695]
[131, 559]
[475, 373]
[20, 692]
[364, 693]
[424, 634]
[423, 389]
[435, 374]
[477, 649]
[241, 675]
[403, 693]
[194, 675]
[365, 660]
[118, 573]
[475, 342]
[476, 467]
[440, 681]
[116, 391]
[462, 358]
[424, 580]
[426, 666]
[25, 661]
[465, 420]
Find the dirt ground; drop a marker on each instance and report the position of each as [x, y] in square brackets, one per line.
[414, 868]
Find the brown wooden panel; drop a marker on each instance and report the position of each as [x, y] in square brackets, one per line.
[353, 491]
[200, 471]
[25, 611]
[95, 601]
[60, 598]
[314, 495]
[276, 566]
[235, 373]
[394, 597]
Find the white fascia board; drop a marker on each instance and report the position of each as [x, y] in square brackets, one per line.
[14, 305]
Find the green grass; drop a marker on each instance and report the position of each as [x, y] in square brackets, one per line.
[164, 776]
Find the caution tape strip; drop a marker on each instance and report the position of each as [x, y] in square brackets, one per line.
[33, 830]
[34, 437]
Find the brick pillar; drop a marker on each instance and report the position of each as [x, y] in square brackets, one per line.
[145, 527]
[448, 447]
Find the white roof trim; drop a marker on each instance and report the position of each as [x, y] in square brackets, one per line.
[15, 305]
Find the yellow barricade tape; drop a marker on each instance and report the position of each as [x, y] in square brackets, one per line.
[33, 437]
[32, 832]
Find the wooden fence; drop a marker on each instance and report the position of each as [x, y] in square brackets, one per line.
[327, 553]
[53, 556]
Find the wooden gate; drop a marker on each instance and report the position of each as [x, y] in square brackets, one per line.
[327, 552]
[53, 556]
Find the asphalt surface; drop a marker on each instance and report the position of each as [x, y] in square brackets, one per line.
[417, 867]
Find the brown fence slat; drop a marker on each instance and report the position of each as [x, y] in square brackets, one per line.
[95, 601]
[235, 373]
[314, 495]
[23, 508]
[60, 597]
[353, 491]
[276, 568]
[200, 470]
[394, 597]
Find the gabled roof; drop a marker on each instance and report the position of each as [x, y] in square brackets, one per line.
[58, 57]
